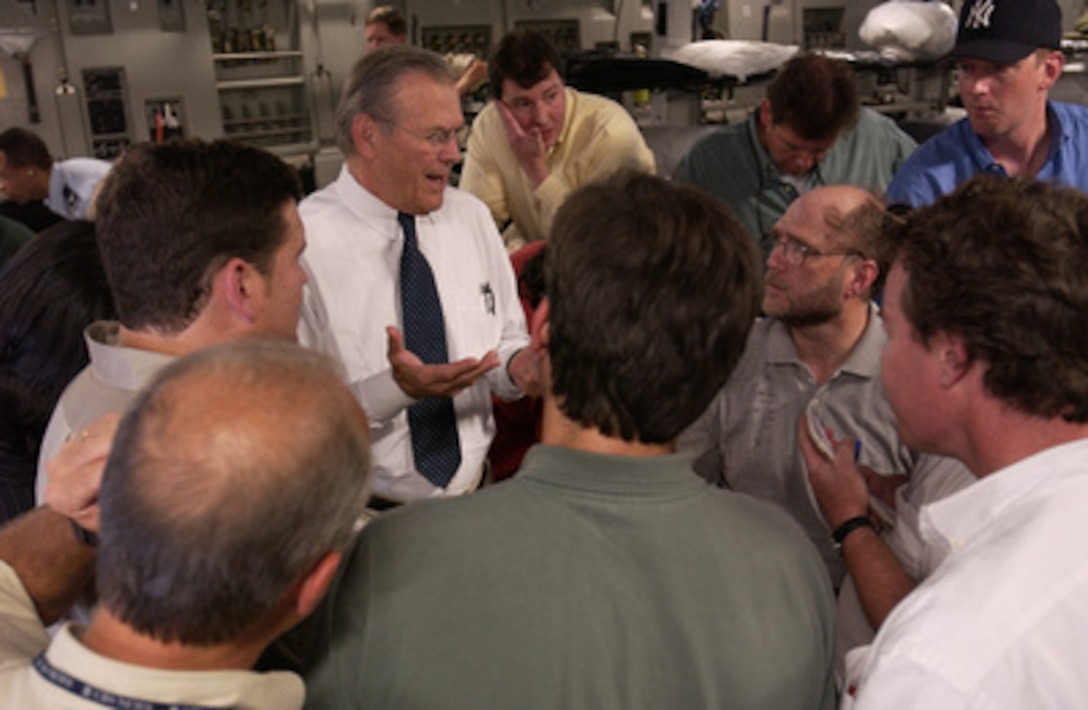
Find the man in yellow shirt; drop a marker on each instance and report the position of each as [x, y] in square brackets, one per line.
[539, 140]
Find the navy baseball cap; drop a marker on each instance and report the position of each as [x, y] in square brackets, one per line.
[1006, 31]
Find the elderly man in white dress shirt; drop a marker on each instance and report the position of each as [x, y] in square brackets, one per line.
[429, 402]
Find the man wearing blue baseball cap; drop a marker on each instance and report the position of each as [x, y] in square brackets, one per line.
[1006, 58]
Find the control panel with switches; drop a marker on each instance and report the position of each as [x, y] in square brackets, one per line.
[459, 39]
[564, 34]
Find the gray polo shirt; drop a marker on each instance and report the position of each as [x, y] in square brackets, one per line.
[747, 438]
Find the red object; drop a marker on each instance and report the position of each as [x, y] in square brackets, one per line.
[517, 424]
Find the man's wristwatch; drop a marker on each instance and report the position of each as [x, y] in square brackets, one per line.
[848, 526]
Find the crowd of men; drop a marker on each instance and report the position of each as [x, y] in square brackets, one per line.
[797, 448]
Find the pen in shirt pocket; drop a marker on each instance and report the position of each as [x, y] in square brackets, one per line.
[489, 298]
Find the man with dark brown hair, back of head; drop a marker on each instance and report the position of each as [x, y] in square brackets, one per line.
[200, 243]
[606, 574]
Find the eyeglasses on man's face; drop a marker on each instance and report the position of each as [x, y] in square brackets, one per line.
[437, 138]
[795, 252]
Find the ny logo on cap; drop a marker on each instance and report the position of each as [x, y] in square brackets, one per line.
[978, 17]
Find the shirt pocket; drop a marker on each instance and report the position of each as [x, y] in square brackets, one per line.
[476, 328]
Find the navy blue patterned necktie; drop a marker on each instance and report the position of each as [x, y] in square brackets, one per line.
[431, 421]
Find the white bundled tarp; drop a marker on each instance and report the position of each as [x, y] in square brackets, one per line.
[731, 57]
[910, 31]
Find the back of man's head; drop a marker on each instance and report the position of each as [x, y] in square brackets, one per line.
[524, 57]
[1000, 263]
[653, 287]
[170, 215]
[372, 86]
[816, 96]
[24, 149]
[230, 477]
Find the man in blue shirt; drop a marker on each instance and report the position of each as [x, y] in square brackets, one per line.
[1006, 57]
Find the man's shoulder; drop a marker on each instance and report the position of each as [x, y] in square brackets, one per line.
[759, 517]
[486, 121]
[1074, 114]
[586, 104]
[1073, 119]
[330, 218]
[22, 635]
[971, 615]
[427, 533]
[431, 529]
[92, 167]
[111, 379]
[767, 337]
[461, 206]
[951, 142]
[868, 119]
[716, 161]
[606, 124]
[108, 383]
[727, 139]
[935, 167]
[878, 127]
[321, 202]
[766, 334]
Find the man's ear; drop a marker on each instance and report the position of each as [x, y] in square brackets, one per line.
[765, 115]
[952, 358]
[538, 327]
[315, 582]
[865, 273]
[363, 128]
[1052, 69]
[243, 288]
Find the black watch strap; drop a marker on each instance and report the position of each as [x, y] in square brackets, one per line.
[848, 526]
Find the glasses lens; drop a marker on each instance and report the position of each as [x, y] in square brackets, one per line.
[793, 251]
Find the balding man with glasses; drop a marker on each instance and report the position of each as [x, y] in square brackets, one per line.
[818, 345]
[411, 287]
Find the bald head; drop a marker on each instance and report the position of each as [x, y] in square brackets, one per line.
[239, 428]
[847, 213]
[851, 219]
[236, 470]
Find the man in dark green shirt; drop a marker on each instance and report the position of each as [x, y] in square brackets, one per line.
[606, 574]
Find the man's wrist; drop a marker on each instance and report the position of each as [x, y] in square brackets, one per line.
[848, 526]
[510, 362]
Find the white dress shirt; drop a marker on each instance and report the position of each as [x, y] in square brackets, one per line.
[354, 244]
[933, 478]
[1002, 622]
